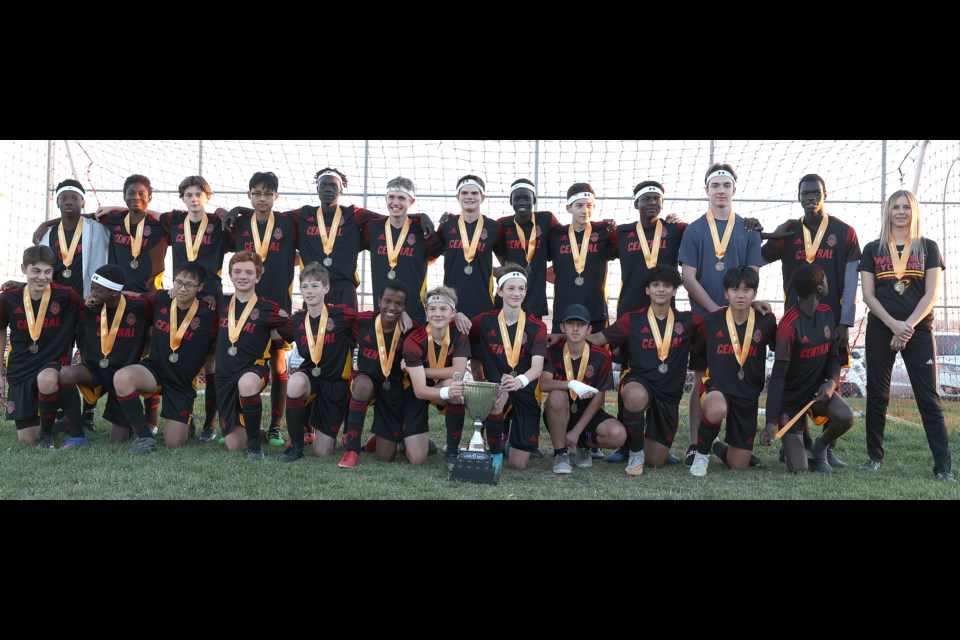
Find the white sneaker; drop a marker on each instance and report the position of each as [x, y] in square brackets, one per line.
[699, 466]
[635, 463]
[584, 459]
[561, 464]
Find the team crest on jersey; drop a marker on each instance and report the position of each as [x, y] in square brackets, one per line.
[278, 234]
[208, 230]
[595, 237]
[664, 233]
[832, 240]
[255, 314]
[55, 308]
[146, 231]
[164, 311]
[131, 319]
[539, 231]
[826, 332]
[678, 328]
[523, 340]
[483, 235]
[589, 372]
[757, 336]
[411, 239]
[329, 324]
[11, 407]
[195, 324]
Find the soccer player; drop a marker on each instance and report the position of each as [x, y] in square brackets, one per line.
[901, 280]
[821, 239]
[319, 390]
[397, 416]
[432, 355]
[579, 253]
[43, 318]
[715, 242]
[115, 335]
[138, 243]
[506, 343]
[80, 245]
[807, 366]
[184, 334]
[247, 323]
[468, 243]
[400, 246]
[658, 342]
[577, 376]
[737, 338]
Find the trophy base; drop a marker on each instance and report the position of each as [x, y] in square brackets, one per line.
[474, 467]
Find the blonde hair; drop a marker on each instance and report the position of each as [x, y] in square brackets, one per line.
[446, 292]
[886, 223]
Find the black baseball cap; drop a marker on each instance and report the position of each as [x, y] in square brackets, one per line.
[576, 312]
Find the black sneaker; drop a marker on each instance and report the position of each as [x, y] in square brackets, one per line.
[143, 446]
[755, 462]
[783, 456]
[690, 455]
[450, 460]
[834, 461]
[672, 459]
[191, 430]
[431, 448]
[945, 476]
[537, 454]
[88, 426]
[45, 442]
[208, 435]
[871, 466]
[292, 454]
[61, 426]
[819, 465]
[254, 450]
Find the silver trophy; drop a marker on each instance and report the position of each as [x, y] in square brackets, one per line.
[475, 464]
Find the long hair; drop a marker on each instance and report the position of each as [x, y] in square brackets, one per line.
[886, 223]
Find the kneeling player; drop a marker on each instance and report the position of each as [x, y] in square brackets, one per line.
[324, 335]
[577, 375]
[659, 341]
[184, 334]
[807, 366]
[43, 319]
[737, 337]
[432, 356]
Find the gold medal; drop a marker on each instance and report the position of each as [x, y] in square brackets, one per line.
[720, 246]
[662, 341]
[315, 345]
[67, 252]
[174, 357]
[35, 324]
[650, 256]
[108, 336]
[329, 237]
[262, 246]
[742, 352]
[393, 249]
[469, 248]
[900, 260]
[580, 250]
[193, 246]
[511, 351]
[136, 240]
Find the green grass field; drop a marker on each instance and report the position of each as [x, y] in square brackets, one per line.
[104, 471]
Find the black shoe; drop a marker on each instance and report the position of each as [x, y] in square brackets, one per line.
[143, 446]
[191, 430]
[783, 456]
[690, 455]
[401, 447]
[450, 460]
[431, 448]
[294, 453]
[834, 461]
[209, 434]
[819, 465]
[755, 462]
[61, 426]
[88, 426]
[672, 459]
[254, 450]
[945, 476]
[536, 453]
[45, 442]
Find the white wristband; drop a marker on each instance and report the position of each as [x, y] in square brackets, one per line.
[524, 380]
[445, 393]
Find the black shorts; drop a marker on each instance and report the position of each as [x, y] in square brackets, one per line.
[342, 293]
[522, 415]
[177, 400]
[102, 384]
[279, 345]
[23, 398]
[228, 397]
[328, 401]
[398, 413]
[741, 420]
[590, 432]
[788, 411]
[663, 415]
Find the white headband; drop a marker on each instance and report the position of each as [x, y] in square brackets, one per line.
[412, 195]
[511, 276]
[330, 173]
[467, 183]
[586, 195]
[523, 185]
[443, 299]
[647, 190]
[63, 189]
[105, 282]
[721, 174]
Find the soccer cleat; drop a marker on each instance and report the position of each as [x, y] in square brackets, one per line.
[755, 462]
[945, 476]
[672, 459]
[88, 426]
[619, 455]
[45, 442]
[688, 456]
[700, 464]
[371, 445]
[450, 459]
[431, 448]
[597, 454]
[153, 430]
[834, 461]
[349, 460]
[583, 460]
[497, 463]
[817, 458]
[74, 443]
[209, 434]
[143, 446]
[635, 464]
[292, 454]
[871, 466]
[254, 450]
[561, 464]
[274, 437]
[191, 430]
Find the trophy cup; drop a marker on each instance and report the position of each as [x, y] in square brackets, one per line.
[475, 464]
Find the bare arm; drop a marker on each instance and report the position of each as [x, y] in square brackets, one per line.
[418, 378]
[697, 293]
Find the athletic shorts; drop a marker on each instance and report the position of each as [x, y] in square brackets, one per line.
[663, 414]
[176, 400]
[228, 396]
[741, 420]
[327, 404]
[23, 398]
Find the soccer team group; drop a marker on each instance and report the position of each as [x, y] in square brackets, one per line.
[95, 281]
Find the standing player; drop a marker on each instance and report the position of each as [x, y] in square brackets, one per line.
[506, 343]
[579, 253]
[821, 239]
[43, 318]
[658, 343]
[901, 280]
[397, 416]
[319, 389]
[807, 366]
[737, 338]
[576, 377]
[80, 245]
[184, 334]
[712, 244]
[247, 323]
[432, 355]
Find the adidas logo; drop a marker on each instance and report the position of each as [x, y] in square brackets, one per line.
[492, 334]
[645, 330]
[798, 241]
[367, 339]
[18, 310]
[805, 339]
[929, 361]
[720, 334]
[632, 235]
[246, 234]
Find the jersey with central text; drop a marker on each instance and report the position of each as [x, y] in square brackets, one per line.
[511, 249]
[723, 368]
[599, 372]
[633, 266]
[253, 344]
[368, 355]
[150, 261]
[486, 344]
[346, 248]
[198, 341]
[336, 360]
[809, 344]
[475, 290]
[213, 247]
[131, 336]
[278, 267]
[593, 292]
[63, 319]
[416, 349]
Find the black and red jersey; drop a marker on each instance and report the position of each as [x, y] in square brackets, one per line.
[511, 249]
[720, 360]
[486, 344]
[599, 372]
[592, 294]
[253, 344]
[336, 361]
[213, 247]
[368, 355]
[415, 348]
[880, 264]
[153, 251]
[475, 290]
[809, 345]
[63, 319]
[131, 336]
[198, 341]
[278, 268]
[633, 266]
[75, 281]
[347, 246]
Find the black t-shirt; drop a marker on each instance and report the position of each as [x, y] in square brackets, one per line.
[153, 250]
[197, 343]
[347, 246]
[599, 373]
[475, 291]
[486, 344]
[60, 324]
[131, 336]
[593, 293]
[511, 249]
[213, 247]
[75, 281]
[278, 268]
[881, 266]
[810, 346]
[336, 361]
[633, 329]
[368, 357]
[721, 360]
[253, 344]
[838, 247]
[633, 267]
